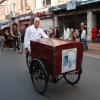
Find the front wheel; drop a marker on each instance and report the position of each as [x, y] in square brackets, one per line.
[72, 77]
[38, 76]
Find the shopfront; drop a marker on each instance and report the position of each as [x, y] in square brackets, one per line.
[72, 21]
[67, 16]
[73, 14]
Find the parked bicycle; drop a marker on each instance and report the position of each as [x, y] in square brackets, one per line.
[17, 44]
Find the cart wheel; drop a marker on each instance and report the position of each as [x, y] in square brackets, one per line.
[38, 76]
[72, 77]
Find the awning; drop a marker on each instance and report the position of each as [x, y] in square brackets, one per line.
[4, 26]
[1, 1]
[57, 8]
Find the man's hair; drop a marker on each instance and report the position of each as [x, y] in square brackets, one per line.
[15, 24]
[36, 19]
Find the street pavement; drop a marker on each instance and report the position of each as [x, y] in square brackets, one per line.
[92, 53]
[15, 82]
[94, 50]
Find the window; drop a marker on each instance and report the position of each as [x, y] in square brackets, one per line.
[26, 4]
[44, 3]
[48, 2]
[38, 4]
[21, 5]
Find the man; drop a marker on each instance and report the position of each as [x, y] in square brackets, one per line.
[34, 33]
[23, 32]
[15, 35]
[57, 33]
[66, 34]
[94, 33]
[83, 36]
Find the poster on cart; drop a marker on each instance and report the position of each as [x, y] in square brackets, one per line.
[69, 59]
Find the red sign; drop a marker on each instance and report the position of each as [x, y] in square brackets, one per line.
[40, 14]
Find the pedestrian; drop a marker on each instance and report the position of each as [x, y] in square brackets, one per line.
[57, 33]
[94, 33]
[84, 37]
[16, 35]
[52, 32]
[23, 32]
[74, 35]
[7, 35]
[66, 34]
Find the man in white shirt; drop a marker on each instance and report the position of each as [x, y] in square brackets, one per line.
[84, 38]
[33, 33]
[66, 34]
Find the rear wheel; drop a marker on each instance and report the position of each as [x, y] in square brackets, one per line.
[72, 77]
[38, 76]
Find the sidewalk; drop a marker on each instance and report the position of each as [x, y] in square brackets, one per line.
[94, 50]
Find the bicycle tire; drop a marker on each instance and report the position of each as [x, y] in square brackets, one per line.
[38, 73]
[72, 77]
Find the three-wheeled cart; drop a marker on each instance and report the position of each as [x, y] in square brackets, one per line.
[53, 59]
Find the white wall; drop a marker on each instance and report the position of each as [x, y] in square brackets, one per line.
[39, 4]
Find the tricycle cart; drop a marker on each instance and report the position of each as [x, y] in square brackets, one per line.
[53, 59]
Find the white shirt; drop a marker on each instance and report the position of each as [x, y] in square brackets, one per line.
[83, 35]
[66, 33]
[33, 34]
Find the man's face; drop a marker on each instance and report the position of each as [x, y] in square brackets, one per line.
[82, 25]
[36, 23]
[14, 27]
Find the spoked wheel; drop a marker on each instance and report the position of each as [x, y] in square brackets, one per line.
[39, 76]
[72, 77]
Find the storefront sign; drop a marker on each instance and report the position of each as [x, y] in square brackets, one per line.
[89, 1]
[24, 17]
[21, 18]
[40, 14]
[57, 8]
[27, 17]
[71, 5]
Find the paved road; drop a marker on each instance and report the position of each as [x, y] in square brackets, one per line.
[15, 83]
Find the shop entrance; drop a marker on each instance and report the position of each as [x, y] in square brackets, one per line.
[98, 20]
[72, 21]
[98, 26]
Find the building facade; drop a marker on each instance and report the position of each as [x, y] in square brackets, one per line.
[15, 8]
[18, 11]
[72, 13]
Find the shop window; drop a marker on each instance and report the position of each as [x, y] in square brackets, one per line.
[26, 4]
[22, 5]
[46, 3]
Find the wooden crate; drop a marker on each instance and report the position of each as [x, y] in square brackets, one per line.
[60, 56]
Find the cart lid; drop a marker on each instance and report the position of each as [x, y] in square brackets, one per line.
[53, 42]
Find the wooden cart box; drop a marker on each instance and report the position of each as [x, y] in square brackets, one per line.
[60, 56]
